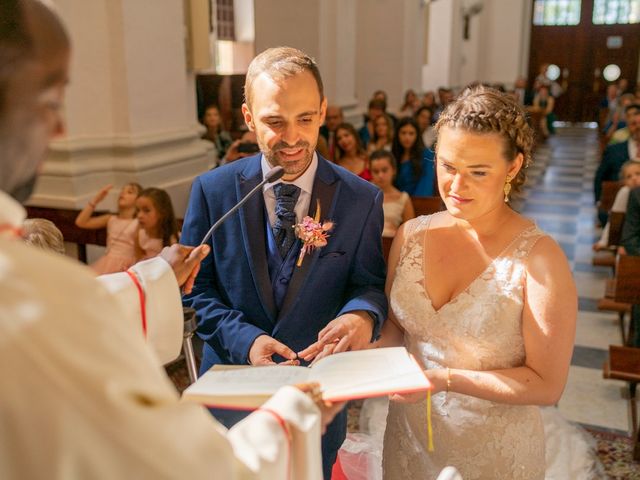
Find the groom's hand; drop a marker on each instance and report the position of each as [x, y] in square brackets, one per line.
[351, 331]
[264, 347]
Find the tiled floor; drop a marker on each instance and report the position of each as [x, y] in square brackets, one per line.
[559, 198]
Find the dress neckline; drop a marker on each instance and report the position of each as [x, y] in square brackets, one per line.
[490, 265]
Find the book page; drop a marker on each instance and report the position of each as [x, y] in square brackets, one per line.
[368, 373]
[243, 385]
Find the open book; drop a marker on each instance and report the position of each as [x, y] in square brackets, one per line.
[342, 376]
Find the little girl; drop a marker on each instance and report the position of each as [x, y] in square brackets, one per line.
[630, 175]
[397, 205]
[121, 228]
[157, 225]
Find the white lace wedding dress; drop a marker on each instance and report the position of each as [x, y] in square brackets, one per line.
[480, 329]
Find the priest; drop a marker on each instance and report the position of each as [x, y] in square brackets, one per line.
[83, 392]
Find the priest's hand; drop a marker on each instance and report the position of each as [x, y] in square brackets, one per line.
[328, 410]
[264, 347]
[351, 331]
[185, 262]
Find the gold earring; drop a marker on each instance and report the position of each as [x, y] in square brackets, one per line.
[507, 189]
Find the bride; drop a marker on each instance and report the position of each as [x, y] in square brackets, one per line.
[485, 300]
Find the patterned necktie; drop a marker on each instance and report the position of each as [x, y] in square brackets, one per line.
[286, 199]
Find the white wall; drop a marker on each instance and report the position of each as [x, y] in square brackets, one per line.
[293, 23]
[497, 49]
[501, 56]
[338, 24]
[437, 71]
[390, 49]
[324, 29]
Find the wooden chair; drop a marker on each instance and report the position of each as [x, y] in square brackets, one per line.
[616, 222]
[427, 205]
[65, 220]
[624, 361]
[624, 364]
[386, 247]
[608, 195]
[608, 259]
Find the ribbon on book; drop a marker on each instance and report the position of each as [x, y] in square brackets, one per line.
[141, 296]
[429, 426]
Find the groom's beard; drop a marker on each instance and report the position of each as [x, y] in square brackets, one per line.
[292, 169]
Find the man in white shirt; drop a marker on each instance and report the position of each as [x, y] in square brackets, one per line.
[83, 395]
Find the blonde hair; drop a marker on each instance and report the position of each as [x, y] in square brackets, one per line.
[43, 234]
[280, 63]
[481, 109]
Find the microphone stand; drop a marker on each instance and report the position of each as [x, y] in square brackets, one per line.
[272, 175]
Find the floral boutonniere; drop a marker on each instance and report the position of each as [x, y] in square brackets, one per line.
[313, 233]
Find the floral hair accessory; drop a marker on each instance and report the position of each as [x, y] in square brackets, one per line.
[313, 233]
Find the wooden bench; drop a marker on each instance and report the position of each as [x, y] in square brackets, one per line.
[65, 219]
[624, 364]
[386, 247]
[427, 205]
[608, 258]
[624, 361]
[608, 194]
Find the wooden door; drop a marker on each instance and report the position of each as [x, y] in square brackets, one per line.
[600, 55]
[582, 51]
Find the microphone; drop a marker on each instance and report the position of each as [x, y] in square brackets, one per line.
[272, 175]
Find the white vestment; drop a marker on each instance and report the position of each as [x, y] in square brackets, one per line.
[83, 395]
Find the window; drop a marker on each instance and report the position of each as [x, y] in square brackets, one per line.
[608, 12]
[557, 12]
[226, 20]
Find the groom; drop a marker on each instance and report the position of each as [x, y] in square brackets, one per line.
[255, 304]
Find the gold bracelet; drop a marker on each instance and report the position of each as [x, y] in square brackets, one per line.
[448, 379]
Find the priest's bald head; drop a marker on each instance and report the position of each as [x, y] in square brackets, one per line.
[34, 62]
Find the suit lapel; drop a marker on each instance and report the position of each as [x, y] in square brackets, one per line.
[252, 222]
[325, 186]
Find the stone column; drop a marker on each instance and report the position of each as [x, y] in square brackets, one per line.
[130, 107]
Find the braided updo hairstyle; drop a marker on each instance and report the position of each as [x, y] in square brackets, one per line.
[480, 109]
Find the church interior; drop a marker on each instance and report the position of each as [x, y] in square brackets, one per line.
[155, 99]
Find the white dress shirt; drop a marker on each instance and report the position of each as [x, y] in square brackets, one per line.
[304, 182]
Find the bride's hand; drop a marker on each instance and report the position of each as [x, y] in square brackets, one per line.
[408, 397]
[438, 377]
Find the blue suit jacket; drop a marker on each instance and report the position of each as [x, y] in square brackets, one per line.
[233, 294]
[609, 169]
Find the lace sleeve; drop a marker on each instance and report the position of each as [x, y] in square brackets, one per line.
[412, 228]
